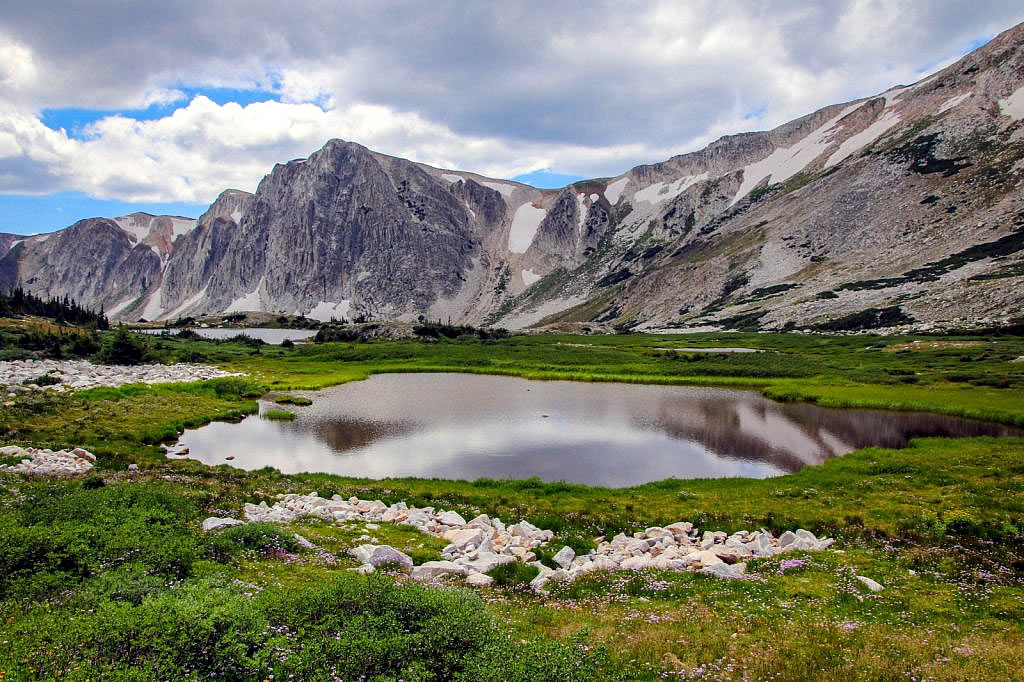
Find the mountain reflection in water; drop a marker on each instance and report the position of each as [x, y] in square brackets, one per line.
[470, 426]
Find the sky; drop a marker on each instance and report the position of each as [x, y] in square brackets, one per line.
[114, 106]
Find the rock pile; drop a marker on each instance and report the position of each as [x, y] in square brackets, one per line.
[681, 546]
[481, 544]
[78, 375]
[48, 462]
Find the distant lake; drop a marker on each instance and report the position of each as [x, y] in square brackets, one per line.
[469, 426]
[272, 336]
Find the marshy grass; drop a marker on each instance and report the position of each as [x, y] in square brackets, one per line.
[277, 415]
[289, 399]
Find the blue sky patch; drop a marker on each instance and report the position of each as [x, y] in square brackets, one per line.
[75, 120]
[547, 179]
[48, 212]
[974, 45]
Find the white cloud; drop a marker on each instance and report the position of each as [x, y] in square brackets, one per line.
[17, 66]
[587, 88]
[204, 147]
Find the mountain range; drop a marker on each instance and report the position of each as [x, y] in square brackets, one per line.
[903, 208]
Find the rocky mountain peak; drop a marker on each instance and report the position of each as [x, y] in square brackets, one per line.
[894, 208]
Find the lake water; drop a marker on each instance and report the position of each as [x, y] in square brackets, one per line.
[469, 426]
[271, 336]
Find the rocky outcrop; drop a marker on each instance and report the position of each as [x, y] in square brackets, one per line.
[21, 376]
[892, 209]
[43, 462]
[482, 544]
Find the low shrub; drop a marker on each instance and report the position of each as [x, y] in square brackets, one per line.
[347, 628]
[245, 340]
[514, 574]
[125, 348]
[258, 537]
[74, 530]
[44, 380]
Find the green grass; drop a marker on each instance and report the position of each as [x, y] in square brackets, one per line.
[288, 399]
[278, 415]
[110, 577]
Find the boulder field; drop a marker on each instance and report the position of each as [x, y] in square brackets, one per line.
[21, 376]
[43, 462]
[481, 544]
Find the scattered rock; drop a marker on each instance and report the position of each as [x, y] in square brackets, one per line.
[79, 375]
[565, 557]
[429, 570]
[462, 538]
[377, 555]
[870, 584]
[304, 542]
[484, 543]
[723, 570]
[450, 518]
[479, 580]
[45, 462]
[216, 523]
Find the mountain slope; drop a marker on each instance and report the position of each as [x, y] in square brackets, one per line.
[900, 207]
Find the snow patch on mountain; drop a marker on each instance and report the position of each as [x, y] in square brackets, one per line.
[614, 190]
[660, 192]
[525, 222]
[952, 102]
[194, 300]
[503, 187]
[180, 226]
[249, 302]
[120, 306]
[1013, 106]
[154, 308]
[784, 163]
[863, 138]
[137, 229]
[529, 277]
[525, 319]
[325, 310]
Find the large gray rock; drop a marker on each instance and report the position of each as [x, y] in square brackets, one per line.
[479, 580]
[463, 537]
[725, 570]
[377, 555]
[565, 556]
[450, 518]
[485, 562]
[216, 523]
[870, 584]
[429, 570]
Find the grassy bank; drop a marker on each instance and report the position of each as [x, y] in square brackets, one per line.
[972, 377]
[110, 577]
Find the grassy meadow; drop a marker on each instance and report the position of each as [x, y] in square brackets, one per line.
[109, 576]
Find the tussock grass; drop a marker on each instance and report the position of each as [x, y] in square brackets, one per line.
[278, 415]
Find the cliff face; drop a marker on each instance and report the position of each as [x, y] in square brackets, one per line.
[907, 202]
[348, 225]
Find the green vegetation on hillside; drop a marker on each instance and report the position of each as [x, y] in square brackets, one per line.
[109, 577]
